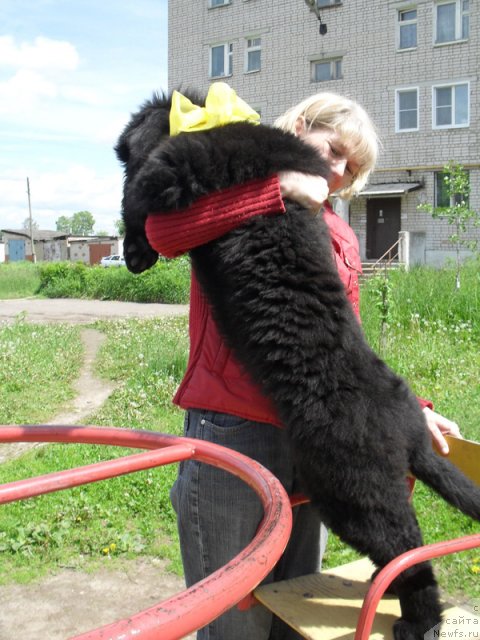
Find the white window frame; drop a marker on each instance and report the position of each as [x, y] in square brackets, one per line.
[333, 69]
[457, 198]
[227, 59]
[323, 4]
[450, 85]
[212, 3]
[459, 14]
[406, 23]
[251, 48]
[397, 108]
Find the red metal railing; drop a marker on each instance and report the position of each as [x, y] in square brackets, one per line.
[194, 608]
[394, 568]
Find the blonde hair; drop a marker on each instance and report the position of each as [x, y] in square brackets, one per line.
[349, 120]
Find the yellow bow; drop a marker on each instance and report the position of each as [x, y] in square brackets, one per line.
[222, 106]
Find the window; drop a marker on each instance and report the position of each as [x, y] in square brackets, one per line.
[407, 29]
[407, 110]
[451, 106]
[327, 70]
[321, 4]
[221, 60]
[452, 21]
[253, 60]
[218, 3]
[442, 199]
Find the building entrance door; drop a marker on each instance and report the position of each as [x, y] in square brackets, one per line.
[383, 225]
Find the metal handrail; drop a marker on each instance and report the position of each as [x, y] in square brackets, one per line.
[383, 261]
[394, 568]
[195, 607]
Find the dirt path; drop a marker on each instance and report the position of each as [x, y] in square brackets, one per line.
[71, 601]
[91, 394]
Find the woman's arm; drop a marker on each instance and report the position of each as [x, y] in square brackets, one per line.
[213, 215]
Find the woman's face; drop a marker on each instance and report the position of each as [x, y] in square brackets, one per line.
[334, 151]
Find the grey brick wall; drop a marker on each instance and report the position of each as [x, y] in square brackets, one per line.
[364, 34]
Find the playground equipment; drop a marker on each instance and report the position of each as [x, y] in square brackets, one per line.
[179, 615]
[339, 603]
[343, 603]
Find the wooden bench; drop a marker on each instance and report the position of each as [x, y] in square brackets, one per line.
[328, 605]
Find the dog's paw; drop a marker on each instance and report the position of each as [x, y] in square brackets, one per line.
[403, 630]
[139, 255]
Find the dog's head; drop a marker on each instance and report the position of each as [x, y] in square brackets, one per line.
[146, 129]
[144, 133]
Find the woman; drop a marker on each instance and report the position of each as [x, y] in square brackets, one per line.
[217, 514]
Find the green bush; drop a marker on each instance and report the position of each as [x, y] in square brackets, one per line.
[167, 282]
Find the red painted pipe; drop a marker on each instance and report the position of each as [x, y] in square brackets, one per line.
[386, 576]
[194, 608]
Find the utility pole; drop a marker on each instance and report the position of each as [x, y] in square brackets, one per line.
[34, 255]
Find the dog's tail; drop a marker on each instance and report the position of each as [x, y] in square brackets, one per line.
[447, 480]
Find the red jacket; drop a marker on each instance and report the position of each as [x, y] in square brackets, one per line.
[214, 380]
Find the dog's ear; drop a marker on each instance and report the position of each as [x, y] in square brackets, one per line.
[122, 150]
[144, 131]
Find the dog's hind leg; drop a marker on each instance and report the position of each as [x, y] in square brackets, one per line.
[383, 533]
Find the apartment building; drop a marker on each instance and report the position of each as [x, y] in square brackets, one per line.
[414, 66]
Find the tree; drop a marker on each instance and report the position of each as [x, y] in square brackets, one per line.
[458, 213]
[82, 223]
[64, 223]
[26, 225]
[120, 226]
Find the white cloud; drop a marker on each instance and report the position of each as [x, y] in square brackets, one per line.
[23, 89]
[43, 53]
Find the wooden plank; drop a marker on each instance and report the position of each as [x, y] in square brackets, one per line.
[465, 454]
[326, 606]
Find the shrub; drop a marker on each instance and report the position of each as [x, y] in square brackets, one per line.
[166, 282]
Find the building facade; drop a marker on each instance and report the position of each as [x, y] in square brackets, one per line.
[55, 246]
[414, 66]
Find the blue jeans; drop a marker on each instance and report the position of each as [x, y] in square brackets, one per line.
[218, 515]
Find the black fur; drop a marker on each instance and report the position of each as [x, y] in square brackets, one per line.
[355, 427]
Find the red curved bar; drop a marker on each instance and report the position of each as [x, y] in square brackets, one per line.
[385, 577]
[203, 602]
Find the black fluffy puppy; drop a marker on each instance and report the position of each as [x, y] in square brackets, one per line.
[355, 427]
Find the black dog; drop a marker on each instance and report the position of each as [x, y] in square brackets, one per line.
[355, 427]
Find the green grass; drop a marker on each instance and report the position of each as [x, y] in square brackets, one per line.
[37, 366]
[432, 338]
[122, 517]
[167, 282]
[19, 280]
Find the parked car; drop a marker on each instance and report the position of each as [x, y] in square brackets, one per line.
[112, 261]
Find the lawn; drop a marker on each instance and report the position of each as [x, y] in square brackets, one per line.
[431, 336]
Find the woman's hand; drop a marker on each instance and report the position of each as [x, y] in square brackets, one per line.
[440, 427]
[308, 190]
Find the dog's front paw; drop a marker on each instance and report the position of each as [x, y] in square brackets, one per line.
[139, 255]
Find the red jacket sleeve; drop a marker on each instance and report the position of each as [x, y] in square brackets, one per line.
[424, 403]
[211, 216]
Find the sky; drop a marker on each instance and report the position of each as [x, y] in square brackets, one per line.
[71, 73]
